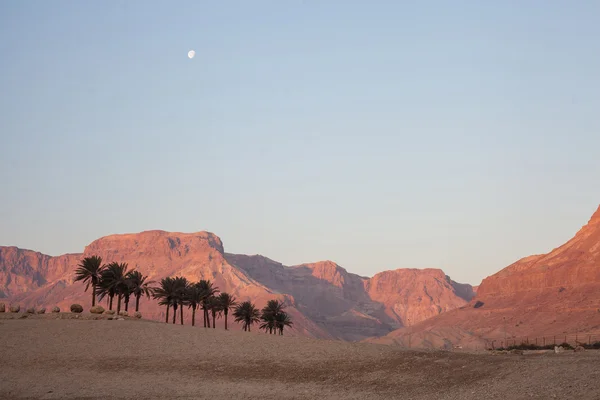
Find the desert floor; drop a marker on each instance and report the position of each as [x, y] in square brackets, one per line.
[42, 357]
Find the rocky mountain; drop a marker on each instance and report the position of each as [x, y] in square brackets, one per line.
[542, 295]
[324, 299]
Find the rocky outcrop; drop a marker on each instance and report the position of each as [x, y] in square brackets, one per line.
[137, 315]
[42, 310]
[55, 309]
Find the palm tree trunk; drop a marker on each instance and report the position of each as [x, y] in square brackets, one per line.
[181, 312]
[167, 319]
[214, 313]
[193, 315]
[93, 294]
[174, 312]
[137, 303]
[119, 305]
[204, 316]
[126, 304]
[110, 299]
[207, 319]
[225, 311]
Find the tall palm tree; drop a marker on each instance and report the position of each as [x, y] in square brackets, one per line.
[181, 284]
[208, 290]
[193, 299]
[226, 302]
[112, 283]
[273, 308]
[165, 293]
[247, 314]
[139, 286]
[281, 321]
[215, 309]
[89, 271]
[126, 292]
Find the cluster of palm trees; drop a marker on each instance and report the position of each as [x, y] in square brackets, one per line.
[112, 280]
[175, 293]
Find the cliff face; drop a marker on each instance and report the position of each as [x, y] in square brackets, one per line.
[542, 295]
[573, 264]
[352, 307]
[411, 295]
[324, 299]
[24, 270]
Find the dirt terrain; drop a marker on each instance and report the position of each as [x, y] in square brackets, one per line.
[56, 357]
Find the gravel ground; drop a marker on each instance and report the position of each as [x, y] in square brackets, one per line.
[43, 357]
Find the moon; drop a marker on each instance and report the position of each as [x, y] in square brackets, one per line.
[191, 54]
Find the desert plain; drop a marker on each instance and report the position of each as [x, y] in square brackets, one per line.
[63, 356]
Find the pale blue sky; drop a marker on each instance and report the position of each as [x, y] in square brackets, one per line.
[461, 135]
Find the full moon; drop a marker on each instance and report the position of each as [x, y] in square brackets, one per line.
[191, 53]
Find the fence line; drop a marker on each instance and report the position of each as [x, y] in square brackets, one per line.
[554, 340]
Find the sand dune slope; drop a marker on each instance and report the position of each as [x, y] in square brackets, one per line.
[45, 358]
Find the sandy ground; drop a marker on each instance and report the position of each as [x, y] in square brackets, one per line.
[42, 357]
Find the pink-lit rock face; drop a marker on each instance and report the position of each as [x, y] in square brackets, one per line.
[324, 299]
[542, 295]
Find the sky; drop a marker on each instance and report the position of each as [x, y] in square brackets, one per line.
[460, 135]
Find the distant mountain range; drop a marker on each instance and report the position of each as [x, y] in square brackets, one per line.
[324, 300]
[543, 295]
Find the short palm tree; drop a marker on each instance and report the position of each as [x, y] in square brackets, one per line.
[268, 314]
[226, 302]
[181, 285]
[89, 272]
[165, 293]
[247, 314]
[140, 286]
[208, 290]
[281, 321]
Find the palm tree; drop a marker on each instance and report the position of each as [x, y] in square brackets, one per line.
[273, 308]
[165, 293]
[281, 321]
[247, 314]
[112, 282]
[182, 285]
[208, 290]
[89, 271]
[268, 322]
[226, 302]
[214, 307]
[193, 299]
[139, 286]
[126, 292]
